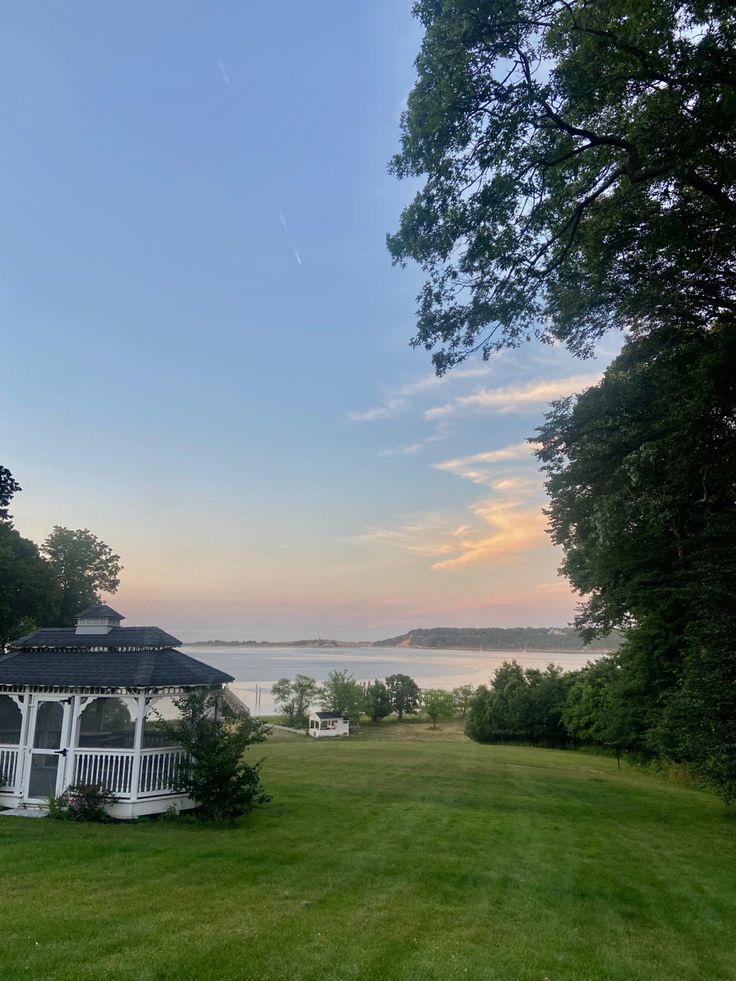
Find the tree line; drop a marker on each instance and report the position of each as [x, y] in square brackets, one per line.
[397, 694]
[575, 171]
[50, 584]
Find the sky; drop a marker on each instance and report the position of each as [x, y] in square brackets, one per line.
[204, 350]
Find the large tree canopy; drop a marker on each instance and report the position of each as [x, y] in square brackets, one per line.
[83, 566]
[641, 472]
[578, 169]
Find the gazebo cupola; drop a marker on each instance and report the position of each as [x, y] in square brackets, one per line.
[100, 619]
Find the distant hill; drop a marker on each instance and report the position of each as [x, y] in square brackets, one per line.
[319, 642]
[462, 638]
[500, 639]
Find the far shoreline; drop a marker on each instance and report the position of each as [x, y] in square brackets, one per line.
[260, 645]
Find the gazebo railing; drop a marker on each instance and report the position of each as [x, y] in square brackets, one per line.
[8, 767]
[158, 770]
[110, 768]
[114, 769]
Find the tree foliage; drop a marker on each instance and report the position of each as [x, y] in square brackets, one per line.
[641, 472]
[9, 486]
[577, 161]
[404, 694]
[521, 705]
[293, 698]
[215, 774]
[463, 697]
[342, 693]
[28, 594]
[378, 701]
[438, 704]
[82, 566]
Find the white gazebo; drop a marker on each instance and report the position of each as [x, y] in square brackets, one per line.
[322, 724]
[84, 705]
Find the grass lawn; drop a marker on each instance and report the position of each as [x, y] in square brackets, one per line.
[398, 853]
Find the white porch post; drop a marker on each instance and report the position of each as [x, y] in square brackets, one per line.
[140, 721]
[26, 740]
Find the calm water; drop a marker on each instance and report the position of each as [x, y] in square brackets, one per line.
[259, 668]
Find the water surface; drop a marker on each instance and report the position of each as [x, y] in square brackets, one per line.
[256, 669]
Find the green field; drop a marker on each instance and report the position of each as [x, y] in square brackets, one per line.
[402, 853]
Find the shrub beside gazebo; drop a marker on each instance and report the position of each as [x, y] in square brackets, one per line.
[83, 705]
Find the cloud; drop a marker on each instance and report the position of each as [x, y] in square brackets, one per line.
[483, 468]
[516, 398]
[402, 450]
[400, 397]
[505, 530]
[223, 73]
[287, 230]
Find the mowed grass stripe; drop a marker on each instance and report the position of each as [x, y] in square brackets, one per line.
[411, 857]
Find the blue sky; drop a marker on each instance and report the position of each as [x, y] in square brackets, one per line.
[205, 352]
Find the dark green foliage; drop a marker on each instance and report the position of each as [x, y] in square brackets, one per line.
[641, 473]
[404, 694]
[577, 161]
[9, 486]
[295, 697]
[82, 566]
[82, 802]
[28, 593]
[342, 693]
[499, 639]
[521, 705]
[215, 775]
[378, 701]
[463, 697]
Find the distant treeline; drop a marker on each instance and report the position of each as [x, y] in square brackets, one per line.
[319, 642]
[501, 639]
[464, 638]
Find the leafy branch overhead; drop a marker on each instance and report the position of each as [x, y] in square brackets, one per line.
[559, 199]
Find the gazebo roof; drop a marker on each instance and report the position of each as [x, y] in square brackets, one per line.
[107, 669]
[66, 638]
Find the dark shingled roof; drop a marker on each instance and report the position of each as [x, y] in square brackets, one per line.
[99, 611]
[67, 638]
[329, 715]
[126, 669]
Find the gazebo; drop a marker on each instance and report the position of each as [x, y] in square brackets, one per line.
[84, 705]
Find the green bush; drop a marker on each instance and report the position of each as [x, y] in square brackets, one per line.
[82, 802]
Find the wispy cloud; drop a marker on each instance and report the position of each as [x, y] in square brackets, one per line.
[287, 230]
[400, 397]
[482, 468]
[402, 450]
[507, 523]
[505, 530]
[516, 398]
[223, 73]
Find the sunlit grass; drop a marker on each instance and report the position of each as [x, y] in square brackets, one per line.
[399, 853]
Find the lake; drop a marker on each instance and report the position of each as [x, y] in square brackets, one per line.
[257, 669]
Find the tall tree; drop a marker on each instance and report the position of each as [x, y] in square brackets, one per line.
[378, 701]
[641, 473]
[404, 693]
[9, 486]
[342, 693]
[295, 697]
[82, 566]
[28, 592]
[577, 161]
[27, 589]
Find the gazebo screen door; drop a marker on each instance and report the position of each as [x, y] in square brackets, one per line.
[47, 747]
